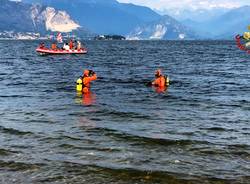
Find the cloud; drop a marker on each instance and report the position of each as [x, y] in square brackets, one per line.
[187, 4]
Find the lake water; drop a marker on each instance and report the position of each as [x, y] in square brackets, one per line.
[198, 131]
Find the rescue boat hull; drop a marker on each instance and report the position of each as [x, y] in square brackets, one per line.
[46, 51]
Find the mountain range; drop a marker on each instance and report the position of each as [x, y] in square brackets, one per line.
[165, 28]
[103, 17]
[196, 15]
[91, 17]
[225, 26]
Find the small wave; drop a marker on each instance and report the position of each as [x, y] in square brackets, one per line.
[15, 96]
[219, 129]
[19, 166]
[6, 152]
[70, 146]
[18, 84]
[14, 131]
[145, 140]
[118, 114]
[25, 58]
[239, 146]
[93, 173]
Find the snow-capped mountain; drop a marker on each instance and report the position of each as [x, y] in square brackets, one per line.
[165, 28]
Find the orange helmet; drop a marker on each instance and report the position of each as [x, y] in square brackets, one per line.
[86, 72]
[158, 72]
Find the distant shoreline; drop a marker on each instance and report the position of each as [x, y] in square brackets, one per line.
[43, 39]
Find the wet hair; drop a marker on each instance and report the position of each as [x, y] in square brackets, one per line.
[157, 75]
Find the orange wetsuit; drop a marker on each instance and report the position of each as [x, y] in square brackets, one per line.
[159, 82]
[86, 82]
[88, 98]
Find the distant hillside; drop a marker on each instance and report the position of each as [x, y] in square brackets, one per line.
[22, 17]
[224, 26]
[196, 15]
[15, 16]
[231, 23]
[165, 28]
[103, 17]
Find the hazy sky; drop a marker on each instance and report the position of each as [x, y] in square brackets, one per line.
[208, 4]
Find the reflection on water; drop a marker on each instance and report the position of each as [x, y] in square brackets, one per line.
[85, 99]
[162, 89]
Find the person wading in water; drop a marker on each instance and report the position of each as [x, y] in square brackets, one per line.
[88, 76]
[161, 82]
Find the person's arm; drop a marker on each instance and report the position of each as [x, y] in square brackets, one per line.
[156, 82]
[92, 76]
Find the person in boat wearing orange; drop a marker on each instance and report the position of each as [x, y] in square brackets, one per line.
[88, 76]
[42, 45]
[71, 44]
[53, 46]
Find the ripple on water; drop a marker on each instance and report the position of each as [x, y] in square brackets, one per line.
[195, 132]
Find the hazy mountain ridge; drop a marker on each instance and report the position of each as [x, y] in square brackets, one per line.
[196, 15]
[165, 28]
[225, 26]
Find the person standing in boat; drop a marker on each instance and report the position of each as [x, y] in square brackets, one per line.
[53, 46]
[71, 44]
[42, 45]
[66, 46]
[79, 45]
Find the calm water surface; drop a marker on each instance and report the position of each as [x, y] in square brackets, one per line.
[198, 131]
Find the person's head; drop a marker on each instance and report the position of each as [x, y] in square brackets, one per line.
[158, 73]
[66, 43]
[86, 73]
